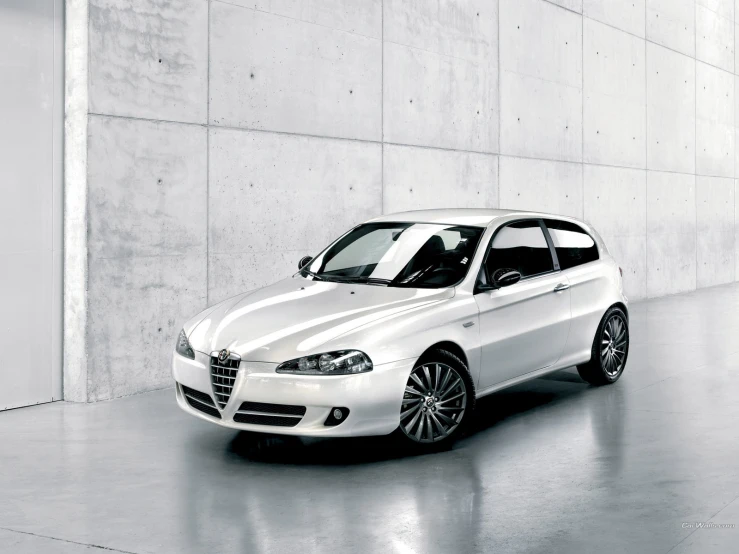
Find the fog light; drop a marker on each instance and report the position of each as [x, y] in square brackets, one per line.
[336, 416]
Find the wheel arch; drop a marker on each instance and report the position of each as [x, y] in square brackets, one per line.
[622, 307]
[449, 346]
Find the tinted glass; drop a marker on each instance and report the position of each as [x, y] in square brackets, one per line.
[421, 255]
[573, 245]
[520, 246]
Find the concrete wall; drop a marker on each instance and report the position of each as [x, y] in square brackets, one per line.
[226, 139]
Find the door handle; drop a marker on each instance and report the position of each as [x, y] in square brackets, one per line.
[561, 287]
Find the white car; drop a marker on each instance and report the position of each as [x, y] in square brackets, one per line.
[403, 322]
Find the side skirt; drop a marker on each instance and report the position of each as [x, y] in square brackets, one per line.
[525, 377]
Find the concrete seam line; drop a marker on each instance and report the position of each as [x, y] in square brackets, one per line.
[207, 168]
[646, 162]
[499, 149]
[68, 541]
[382, 107]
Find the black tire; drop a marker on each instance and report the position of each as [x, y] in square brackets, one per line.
[428, 426]
[610, 350]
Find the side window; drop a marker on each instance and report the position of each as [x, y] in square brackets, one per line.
[520, 246]
[573, 245]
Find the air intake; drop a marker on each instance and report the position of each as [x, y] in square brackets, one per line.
[276, 415]
[200, 401]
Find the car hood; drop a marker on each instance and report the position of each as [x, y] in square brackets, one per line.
[296, 317]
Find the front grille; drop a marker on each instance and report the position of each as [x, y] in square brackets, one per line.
[278, 415]
[200, 401]
[223, 375]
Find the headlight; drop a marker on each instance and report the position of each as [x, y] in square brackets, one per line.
[183, 347]
[343, 362]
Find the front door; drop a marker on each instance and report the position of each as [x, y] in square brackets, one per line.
[523, 327]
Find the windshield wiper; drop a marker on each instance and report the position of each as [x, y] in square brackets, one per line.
[309, 272]
[360, 280]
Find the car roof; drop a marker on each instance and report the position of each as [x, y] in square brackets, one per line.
[460, 216]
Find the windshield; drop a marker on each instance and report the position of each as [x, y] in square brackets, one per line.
[422, 255]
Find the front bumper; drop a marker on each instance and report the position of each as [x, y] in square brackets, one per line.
[373, 398]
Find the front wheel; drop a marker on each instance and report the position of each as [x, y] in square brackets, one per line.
[610, 350]
[438, 400]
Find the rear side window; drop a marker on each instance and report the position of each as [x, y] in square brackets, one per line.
[520, 246]
[572, 244]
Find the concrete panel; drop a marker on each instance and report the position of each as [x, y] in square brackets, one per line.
[541, 40]
[715, 218]
[363, 17]
[671, 233]
[671, 264]
[275, 73]
[714, 140]
[149, 58]
[540, 119]
[670, 203]
[147, 188]
[670, 110]
[615, 200]
[466, 29]
[437, 100]
[630, 253]
[615, 96]
[137, 308]
[736, 229]
[671, 23]
[714, 38]
[553, 187]
[308, 191]
[423, 178]
[615, 204]
[724, 8]
[714, 94]
[235, 273]
[715, 148]
[627, 15]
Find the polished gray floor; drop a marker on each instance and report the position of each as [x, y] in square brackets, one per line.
[551, 466]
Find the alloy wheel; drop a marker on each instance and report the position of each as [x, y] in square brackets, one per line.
[614, 345]
[434, 403]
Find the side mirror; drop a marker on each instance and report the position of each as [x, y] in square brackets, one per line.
[304, 261]
[505, 277]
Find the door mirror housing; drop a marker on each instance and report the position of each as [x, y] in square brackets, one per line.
[505, 277]
[304, 261]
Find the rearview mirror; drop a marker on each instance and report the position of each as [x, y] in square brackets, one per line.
[304, 261]
[505, 277]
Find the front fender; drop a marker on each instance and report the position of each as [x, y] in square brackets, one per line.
[409, 334]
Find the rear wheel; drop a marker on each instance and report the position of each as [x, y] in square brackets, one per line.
[437, 402]
[610, 350]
